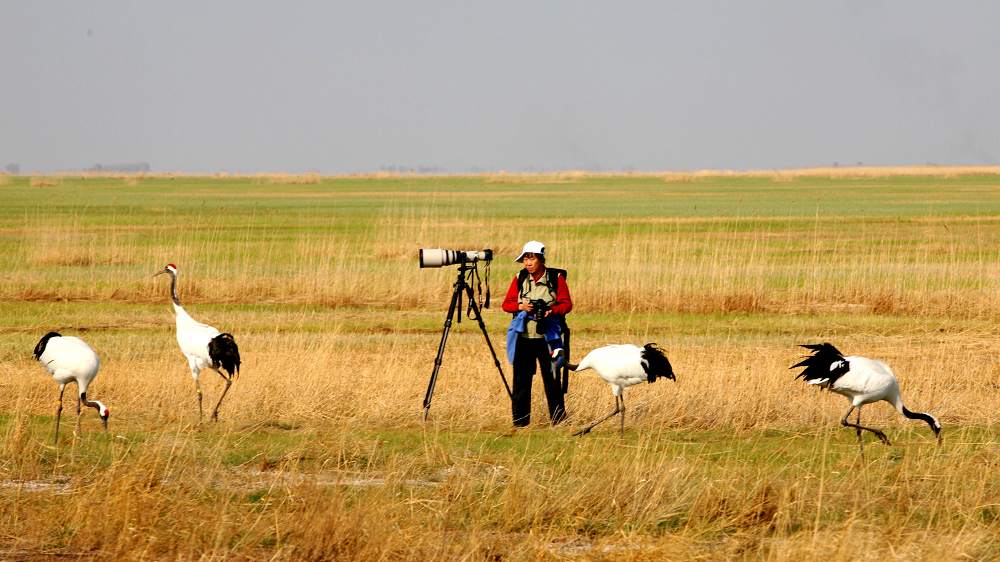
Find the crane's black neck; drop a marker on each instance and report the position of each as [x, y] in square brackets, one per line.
[173, 288]
[101, 409]
[931, 420]
[89, 403]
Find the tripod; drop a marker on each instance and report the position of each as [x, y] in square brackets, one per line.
[454, 309]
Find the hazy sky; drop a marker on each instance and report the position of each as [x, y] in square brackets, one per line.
[251, 86]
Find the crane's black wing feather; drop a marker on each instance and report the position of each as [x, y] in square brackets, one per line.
[224, 354]
[655, 363]
[826, 364]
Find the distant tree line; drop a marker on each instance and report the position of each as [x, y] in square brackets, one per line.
[130, 168]
[398, 169]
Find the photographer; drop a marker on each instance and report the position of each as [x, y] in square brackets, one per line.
[535, 285]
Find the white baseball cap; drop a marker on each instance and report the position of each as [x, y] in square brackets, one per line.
[533, 247]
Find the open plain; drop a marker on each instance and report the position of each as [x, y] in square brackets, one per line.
[321, 452]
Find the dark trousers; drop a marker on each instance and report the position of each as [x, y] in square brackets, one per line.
[528, 353]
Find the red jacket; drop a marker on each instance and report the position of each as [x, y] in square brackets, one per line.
[562, 305]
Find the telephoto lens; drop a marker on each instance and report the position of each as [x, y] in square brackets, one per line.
[436, 257]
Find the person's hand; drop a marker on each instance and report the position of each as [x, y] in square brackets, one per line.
[547, 313]
[526, 306]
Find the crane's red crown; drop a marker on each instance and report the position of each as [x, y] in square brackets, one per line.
[171, 266]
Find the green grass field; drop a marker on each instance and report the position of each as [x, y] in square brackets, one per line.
[321, 452]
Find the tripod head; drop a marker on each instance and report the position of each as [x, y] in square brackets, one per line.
[468, 270]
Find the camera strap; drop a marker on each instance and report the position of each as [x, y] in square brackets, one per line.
[486, 273]
[474, 274]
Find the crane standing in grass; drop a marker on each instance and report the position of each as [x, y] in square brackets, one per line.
[203, 346]
[622, 366]
[70, 359]
[862, 381]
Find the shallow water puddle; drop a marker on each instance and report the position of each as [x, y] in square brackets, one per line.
[57, 485]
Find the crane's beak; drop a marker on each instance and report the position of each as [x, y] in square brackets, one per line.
[161, 272]
[105, 421]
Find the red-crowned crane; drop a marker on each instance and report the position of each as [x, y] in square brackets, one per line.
[70, 359]
[203, 346]
[862, 381]
[621, 366]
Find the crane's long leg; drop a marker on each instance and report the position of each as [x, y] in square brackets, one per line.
[861, 442]
[859, 427]
[62, 389]
[622, 430]
[197, 386]
[229, 382]
[77, 431]
[587, 429]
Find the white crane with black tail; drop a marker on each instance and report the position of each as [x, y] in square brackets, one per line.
[203, 346]
[862, 381]
[622, 366]
[70, 359]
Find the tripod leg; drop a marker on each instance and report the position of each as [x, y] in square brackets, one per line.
[489, 344]
[444, 339]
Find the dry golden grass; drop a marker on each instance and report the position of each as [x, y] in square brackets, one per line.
[322, 454]
[307, 462]
[817, 265]
[841, 172]
[292, 179]
[46, 181]
[332, 461]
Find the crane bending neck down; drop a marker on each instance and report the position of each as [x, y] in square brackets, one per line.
[102, 410]
[70, 360]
